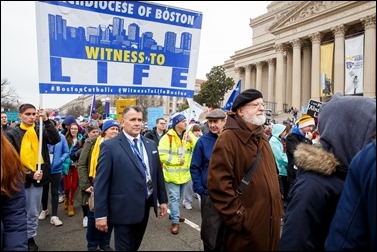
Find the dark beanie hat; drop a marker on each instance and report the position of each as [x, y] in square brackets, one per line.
[68, 120]
[246, 96]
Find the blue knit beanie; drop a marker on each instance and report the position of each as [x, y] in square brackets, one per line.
[108, 124]
[177, 119]
[68, 120]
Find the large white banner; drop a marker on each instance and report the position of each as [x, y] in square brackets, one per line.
[193, 112]
[117, 47]
[354, 54]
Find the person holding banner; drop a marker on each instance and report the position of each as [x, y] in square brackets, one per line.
[25, 140]
[175, 149]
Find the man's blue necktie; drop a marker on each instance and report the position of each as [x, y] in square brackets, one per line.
[138, 155]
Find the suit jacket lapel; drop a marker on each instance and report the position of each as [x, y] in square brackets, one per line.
[123, 141]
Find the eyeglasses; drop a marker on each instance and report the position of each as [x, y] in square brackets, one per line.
[29, 114]
[256, 105]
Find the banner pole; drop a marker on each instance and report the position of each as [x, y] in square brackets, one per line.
[40, 135]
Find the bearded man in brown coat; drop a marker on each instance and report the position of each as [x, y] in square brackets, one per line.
[254, 217]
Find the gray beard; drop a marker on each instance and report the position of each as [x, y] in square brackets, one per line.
[256, 119]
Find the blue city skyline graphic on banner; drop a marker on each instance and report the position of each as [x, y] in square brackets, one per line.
[117, 47]
[236, 91]
[113, 43]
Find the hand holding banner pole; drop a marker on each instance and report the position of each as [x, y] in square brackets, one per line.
[187, 137]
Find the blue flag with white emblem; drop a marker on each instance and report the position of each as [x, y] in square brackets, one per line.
[232, 97]
[92, 108]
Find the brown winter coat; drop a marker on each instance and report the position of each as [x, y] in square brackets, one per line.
[254, 217]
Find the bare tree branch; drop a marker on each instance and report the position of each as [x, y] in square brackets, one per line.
[9, 96]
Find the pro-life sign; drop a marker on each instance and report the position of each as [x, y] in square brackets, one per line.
[313, 108]
[117, 47]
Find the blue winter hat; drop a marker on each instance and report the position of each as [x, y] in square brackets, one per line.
[177, 119]
[108, 124]
[68, 120]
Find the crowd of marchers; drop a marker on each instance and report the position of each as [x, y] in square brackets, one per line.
[314, 187]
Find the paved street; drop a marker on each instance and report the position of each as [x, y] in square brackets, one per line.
[71, 235]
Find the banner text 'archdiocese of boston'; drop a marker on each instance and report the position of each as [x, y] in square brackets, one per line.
[117, 47]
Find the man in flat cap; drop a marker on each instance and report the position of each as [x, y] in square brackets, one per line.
[253, 217]
[202, 154]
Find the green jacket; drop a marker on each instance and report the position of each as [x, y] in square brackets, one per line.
[85, 181]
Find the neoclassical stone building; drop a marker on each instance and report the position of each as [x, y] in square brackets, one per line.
[284, 61]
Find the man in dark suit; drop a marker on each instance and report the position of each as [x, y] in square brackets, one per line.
[129, 181]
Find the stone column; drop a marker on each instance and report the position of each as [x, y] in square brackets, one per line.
[237, 70]
[247, 77]
[166, 100]
[271, 80]
[174, 105]
[296, 74]
[339, 60]
[316, 66]
[280, 80]
[253, 76]
[288, 94]
[306, 73]
[370, 55]
[259, 75]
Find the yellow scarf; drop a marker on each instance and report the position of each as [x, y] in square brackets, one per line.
[29, 147]
[94, 157]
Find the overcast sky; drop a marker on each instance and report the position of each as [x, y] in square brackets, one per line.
[19, 64]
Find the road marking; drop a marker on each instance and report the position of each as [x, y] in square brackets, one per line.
[190, 223]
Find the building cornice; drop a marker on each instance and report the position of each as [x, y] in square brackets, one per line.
[309, 12]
